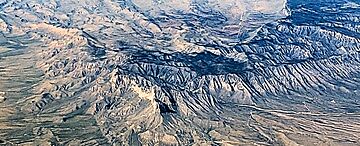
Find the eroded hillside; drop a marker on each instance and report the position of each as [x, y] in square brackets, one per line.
[191, 72]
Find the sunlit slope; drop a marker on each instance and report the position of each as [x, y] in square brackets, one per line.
[196, 72]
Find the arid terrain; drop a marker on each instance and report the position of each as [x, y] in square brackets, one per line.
[180, 72]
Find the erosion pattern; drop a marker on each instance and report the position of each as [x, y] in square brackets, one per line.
[191, 72]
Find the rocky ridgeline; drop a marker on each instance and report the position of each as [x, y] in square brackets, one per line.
[195, 73]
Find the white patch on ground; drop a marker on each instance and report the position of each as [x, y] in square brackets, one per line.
[2, 97]
[2, 49]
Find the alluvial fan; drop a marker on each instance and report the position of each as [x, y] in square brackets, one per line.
[171, 72]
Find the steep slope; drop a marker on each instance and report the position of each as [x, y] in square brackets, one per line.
[194, 72]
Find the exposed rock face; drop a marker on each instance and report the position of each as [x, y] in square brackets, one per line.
[200, 72]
